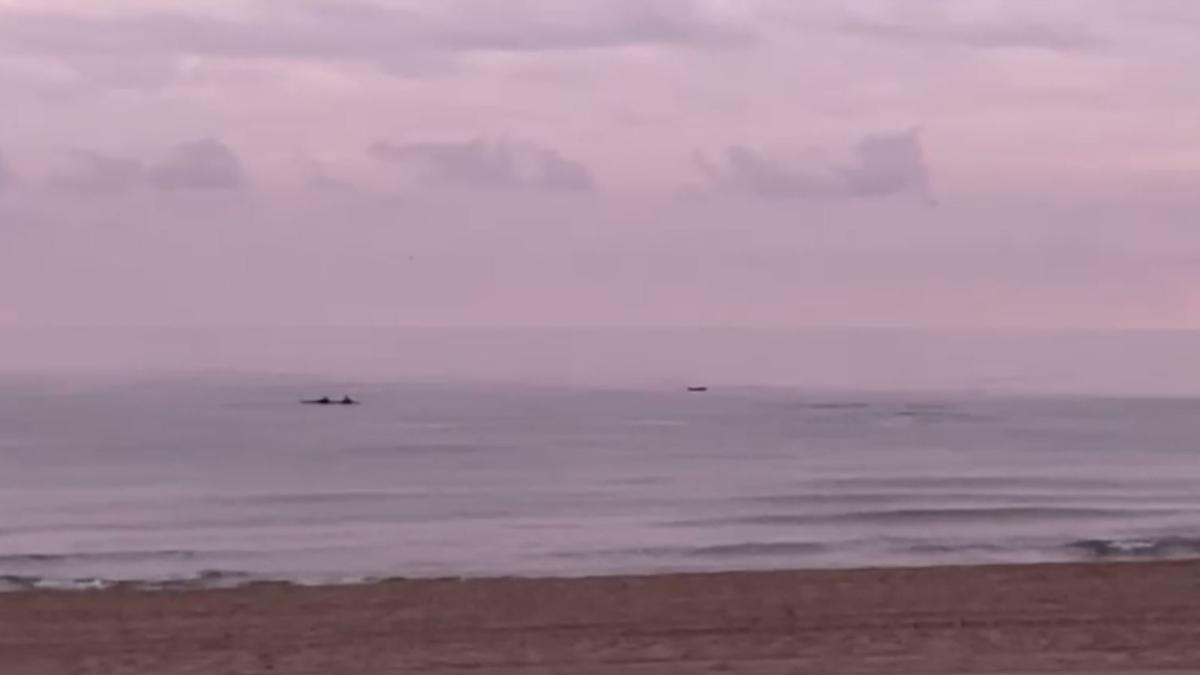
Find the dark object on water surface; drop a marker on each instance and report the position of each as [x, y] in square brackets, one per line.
[697, 390]
[325, 400]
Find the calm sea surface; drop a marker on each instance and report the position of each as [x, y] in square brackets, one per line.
[224, 480]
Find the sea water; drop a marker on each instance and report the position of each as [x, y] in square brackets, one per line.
[218, 480]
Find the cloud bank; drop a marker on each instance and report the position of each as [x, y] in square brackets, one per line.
[5, 174]
[993, 31]
[207, 164]
[881, 165]
[482, 164]
[95, 173]
[146, 47]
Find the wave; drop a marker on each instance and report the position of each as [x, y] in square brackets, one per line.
[915, 412]
[960, 497]
[750, 549]
[939, 515]
[429, 449]
[876, 550]
[94, 557]
[319, 498]
[1006, 513]
[739, 550]
[656, 424]
[938, 415]
[837, 405]
[756, 549]
[957, 548]
[1149, 548]
[14, 582]
[1052, 483]
[205, 579]
[870, 551]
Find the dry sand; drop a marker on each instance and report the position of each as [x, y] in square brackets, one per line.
[1100, 618]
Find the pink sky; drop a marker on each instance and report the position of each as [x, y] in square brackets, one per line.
[1027, 164]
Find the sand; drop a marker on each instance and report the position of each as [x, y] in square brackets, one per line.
[1097, 618]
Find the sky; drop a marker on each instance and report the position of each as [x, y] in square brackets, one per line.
[1016, 165]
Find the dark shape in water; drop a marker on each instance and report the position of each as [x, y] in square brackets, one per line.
[697, 390]
[325, 400]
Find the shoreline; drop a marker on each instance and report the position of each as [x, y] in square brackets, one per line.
[223, 580]
[1092, 617]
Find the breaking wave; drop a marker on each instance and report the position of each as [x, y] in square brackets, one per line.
[1133, 549]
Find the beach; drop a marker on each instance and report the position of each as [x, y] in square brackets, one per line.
[178, 526]
[1129, 618]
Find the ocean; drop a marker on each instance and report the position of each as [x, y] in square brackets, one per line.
[227, 479]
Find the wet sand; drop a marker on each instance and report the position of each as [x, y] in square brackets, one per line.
[1136, 618]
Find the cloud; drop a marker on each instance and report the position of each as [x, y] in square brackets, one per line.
[885, 164]
[147, 47]
[94, 173]
[881, 165]
[561, 173]
[206, 164]
[532, 25]
[481, 164]
[990, 33]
